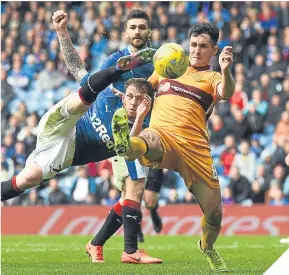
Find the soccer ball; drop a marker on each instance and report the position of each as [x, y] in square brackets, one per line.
[171, 61]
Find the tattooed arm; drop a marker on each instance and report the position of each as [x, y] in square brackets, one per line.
[71, 57]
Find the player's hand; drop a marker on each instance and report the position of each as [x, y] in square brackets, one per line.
[226, 58]
[117, 92]
[143, 109]
[60, 19]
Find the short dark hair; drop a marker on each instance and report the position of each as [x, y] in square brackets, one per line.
[140, 83]
[138, 13]
[206, 28]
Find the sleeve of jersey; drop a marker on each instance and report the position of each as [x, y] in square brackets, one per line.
[110, 61]
[154, 80]
[215, 81]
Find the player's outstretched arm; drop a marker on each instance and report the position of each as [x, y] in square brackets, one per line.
[71, 57]
[227, 87]
[142, 111]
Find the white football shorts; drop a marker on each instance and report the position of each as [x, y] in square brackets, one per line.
[55, 140]
[122, 169]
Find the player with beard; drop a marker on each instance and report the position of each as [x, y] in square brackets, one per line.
[130, 177]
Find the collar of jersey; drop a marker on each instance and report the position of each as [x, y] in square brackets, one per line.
[199, 69]
[129, 50]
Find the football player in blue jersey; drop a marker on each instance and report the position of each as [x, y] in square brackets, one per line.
[129, 177]
[77, 130]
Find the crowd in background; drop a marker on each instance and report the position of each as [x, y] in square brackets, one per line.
[249, 133]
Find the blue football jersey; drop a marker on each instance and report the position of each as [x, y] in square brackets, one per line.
[94, 140]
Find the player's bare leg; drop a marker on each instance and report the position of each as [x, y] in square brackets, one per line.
[151, 202]
[209, 200]
[29, 177]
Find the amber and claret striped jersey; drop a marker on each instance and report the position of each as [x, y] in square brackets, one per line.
[183, 105]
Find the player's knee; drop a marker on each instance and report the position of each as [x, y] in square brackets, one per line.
[150, 202]
[135, 190]
[29, 177]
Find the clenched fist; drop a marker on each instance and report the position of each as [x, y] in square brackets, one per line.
[60, 19]
[226, 58]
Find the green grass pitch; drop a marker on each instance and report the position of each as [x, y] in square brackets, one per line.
[66, 255]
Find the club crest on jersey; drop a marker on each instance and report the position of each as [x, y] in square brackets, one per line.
[101, 130]
[165, 87]
[197, 77]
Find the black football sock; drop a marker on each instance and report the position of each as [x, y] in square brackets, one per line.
[9, 189]
[131, 217]
[157, 221]
[154, 212]
[96, 83]
[112, 223]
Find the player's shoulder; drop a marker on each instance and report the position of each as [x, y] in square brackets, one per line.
[119, 54]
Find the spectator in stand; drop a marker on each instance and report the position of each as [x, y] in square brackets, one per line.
[266, 86]
[276, 197]
[49, 78]
[285, 91]
[277, 70]
[103, 185]
[227, 196]
[56, 195]
[260, 104]
[228, 154]
[218, 130]
[30, 68]
[9, 145]
[285, 49]
[239, 98]
[277, 177]
[255, 145]
[257, 192]
[255, 120]
[82, 186]
[274, 111]
[239, 126]
[268, 17]
[245, 161]
[282, 128]
[89, 22]
[113, 197]
[7, 166]
[32, 199]
[7, 93]
[19, 157]
[283, 14]
[272, 47]
[240, 186]
[278, 157]
[218, 8]
[16, 77]
[237, 43]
